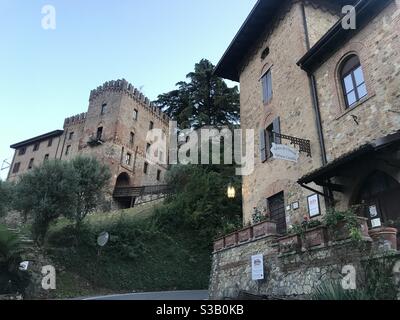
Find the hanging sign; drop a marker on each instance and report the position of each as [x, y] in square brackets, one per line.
[313, 206]
[257, 267]
[283, 152]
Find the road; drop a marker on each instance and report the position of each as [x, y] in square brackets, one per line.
[157, 296]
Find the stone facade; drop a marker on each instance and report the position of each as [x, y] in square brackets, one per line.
[292, 275]
[115, 131]
[355, 150]
[291, 102]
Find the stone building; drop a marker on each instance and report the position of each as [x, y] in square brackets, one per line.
[115, 131]
[332, 93]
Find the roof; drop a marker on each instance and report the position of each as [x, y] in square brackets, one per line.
[42, 137]
[331, 168]
[335, 37]
[265, 11]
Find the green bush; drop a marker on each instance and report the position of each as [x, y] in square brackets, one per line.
[12, 280]
[333, 290]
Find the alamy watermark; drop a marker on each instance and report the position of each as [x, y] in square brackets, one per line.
[49, 19]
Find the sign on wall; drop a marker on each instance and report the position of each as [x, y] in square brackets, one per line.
[257, 267]
[313, 206]
[283, 152]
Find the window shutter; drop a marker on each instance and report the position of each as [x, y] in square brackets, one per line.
[277, 129]
[263, 149]
[269, 86]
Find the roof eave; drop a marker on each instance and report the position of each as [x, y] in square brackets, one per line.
[42, 137]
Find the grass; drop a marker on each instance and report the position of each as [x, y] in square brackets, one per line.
[139, 257]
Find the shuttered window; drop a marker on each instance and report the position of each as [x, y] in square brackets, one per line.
[267, 87]
[267, 137]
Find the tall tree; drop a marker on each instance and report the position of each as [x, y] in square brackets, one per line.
[46, 193]
[92, 178]
[205, 100]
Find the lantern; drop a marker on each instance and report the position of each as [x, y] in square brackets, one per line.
[231, 192]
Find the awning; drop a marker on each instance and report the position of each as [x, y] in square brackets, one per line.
[334, 168]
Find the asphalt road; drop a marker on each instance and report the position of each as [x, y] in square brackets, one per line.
[157, 296]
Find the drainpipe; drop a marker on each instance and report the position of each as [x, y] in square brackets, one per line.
[315, 102]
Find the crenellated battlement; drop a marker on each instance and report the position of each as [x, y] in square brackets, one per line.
[78, 119]
[125, 87]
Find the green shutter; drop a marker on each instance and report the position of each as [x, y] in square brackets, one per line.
[263, 146]
[277, 129]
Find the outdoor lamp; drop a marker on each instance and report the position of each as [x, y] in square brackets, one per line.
[231, 192]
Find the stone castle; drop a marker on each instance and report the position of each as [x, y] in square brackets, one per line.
[114, 130]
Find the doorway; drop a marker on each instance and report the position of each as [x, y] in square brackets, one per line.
[276, 206]
[380, 199]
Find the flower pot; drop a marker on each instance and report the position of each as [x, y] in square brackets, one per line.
[315, 237]
[385, 236]
[341, 231]
[231, 240]
[245, 235]
[290, 243]
[219, 244]
[263, 229]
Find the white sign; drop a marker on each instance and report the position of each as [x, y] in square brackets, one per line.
[257, 267]
[376, 223]
[313, 206]
[24, 266]
[103, 239]
[283, 152]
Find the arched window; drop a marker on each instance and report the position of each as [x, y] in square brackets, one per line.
[353, 82]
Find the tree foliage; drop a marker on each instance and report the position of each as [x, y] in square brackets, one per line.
[69, 189]
[46, 193]
[199, 204]
[6, 197]
[205, 100]
[92, 177]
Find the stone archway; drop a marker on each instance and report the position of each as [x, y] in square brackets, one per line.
[123, 200]
[123, 180]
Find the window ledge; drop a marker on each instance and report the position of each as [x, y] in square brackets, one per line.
[356, 105]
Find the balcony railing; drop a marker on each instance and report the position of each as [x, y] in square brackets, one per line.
[135, 192]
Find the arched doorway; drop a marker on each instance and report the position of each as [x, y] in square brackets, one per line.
[380, 199]
[123, 180]
[121, 193]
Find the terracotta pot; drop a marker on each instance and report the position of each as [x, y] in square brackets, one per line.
[315, 237]
[265, 228]
[291, 243]
[385, 235]
[219, 244]
[231, 240]
[341, 231]
[245, 235]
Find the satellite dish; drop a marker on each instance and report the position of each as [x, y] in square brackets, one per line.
[103, 239]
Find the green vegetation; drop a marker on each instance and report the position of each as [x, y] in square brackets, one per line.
[6, 197]
[11, 279]
[55, 189]
[163, 247]
[205, 100]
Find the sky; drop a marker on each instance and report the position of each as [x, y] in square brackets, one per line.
[46, 75]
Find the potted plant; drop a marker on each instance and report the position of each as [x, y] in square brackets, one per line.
[315, 234]
[386, 235]
[231, 240]
[246, 234]
[263, 226]
[343, 225]
[219, 244]
[290, 243]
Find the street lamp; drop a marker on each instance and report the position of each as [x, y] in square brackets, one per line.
[231, 192]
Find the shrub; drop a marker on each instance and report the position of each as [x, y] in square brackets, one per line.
[11, 279]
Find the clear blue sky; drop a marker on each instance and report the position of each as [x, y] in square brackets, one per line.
[47, 75]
